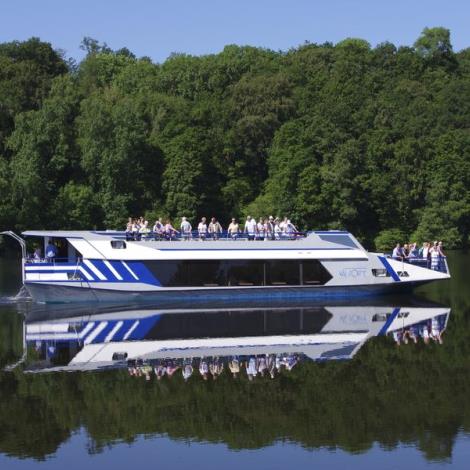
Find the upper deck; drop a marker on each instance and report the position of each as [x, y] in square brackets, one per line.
[115, 245]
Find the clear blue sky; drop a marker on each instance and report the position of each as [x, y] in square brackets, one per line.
[156, 28]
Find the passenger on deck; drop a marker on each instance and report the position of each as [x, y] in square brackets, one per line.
[424, 332]
[271, 363]
[214, 229]
[158, 229]
[216, 367]
[397, 336]
[37, 255]
[160, 371]
[186, 229]
[441, 256]
[144, 231]
[424, 254]
[234, 366]
[435, 255]
[413, 253]
[397, 252]
[252, 368]
[129, 232]
[135, 229]
[146, 370]
[250, 228]
[290, 229]
[406, 251]
[277, 230]
[262, 365]
[437, 328]
[270, 228]
[187, 371]
[202, 229]
[260, 229]
[203, 368]
[51, 251]
[169, 231]
[413, 333]
[171, 368]
[233, 229]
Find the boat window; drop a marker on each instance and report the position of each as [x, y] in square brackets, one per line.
[206, 273]
[340, 239]
[169, 273]
[245, 272]
[118, 244]
[282, 272]
[313, 272]
[380, 273]
[403, 273]
[119, 356]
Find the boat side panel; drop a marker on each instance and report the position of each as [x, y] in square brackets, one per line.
[63, 293]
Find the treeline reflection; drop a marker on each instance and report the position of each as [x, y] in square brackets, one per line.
[416, 395]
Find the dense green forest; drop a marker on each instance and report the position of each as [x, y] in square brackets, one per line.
[371, 139]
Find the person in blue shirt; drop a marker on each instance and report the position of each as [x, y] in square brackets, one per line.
[51, 251]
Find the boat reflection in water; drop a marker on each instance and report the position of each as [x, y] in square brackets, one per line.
[207, 341]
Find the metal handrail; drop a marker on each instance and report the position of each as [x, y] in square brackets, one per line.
[194, 235]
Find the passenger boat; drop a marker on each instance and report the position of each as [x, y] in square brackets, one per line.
[105, 267]
[82, 339]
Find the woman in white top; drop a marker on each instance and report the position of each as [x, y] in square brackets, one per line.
[277, 230]
[434, 257]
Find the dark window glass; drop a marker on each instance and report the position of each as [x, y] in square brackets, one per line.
[169, 273]
[345, 240]
[245, 272]
[206, 273]
[118, 244]
[313, 272]
[282, 272]
[230, 324]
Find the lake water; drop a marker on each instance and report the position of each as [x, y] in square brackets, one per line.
[344, 395]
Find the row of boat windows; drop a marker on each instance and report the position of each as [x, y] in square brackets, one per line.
[214, 273]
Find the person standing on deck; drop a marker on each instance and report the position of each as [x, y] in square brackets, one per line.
[252, 368]
[250, 228]
[186, 229]
[51, 251]
[270, 228]
[158, 229]
[234, 366]
[214, 229]
[187, 370]
[203, 368]
[202, 229]
[233, 229]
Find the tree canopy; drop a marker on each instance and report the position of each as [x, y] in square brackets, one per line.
[374, 140]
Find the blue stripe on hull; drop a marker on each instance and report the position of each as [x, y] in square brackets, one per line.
[67, 294]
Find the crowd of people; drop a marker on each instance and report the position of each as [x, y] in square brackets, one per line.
[429, 331]
[268, 228]
[431, 254]
[265, 365]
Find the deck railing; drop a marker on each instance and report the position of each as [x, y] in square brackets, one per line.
[436, 265]
[195, 235]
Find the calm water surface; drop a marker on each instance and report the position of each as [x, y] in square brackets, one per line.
[388, 406]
